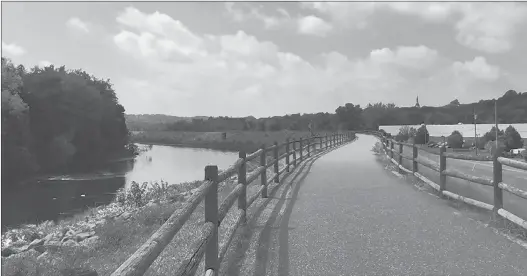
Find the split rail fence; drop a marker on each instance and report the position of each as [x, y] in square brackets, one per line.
[208, 245]
[394, 148]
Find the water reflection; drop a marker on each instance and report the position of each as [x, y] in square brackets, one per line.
[60, 196]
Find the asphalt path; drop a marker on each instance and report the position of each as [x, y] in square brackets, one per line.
[345, 214]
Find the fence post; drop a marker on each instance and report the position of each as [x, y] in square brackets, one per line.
[400, 156]
[497, 169]
[263, 177]
[287, 155]
[294, 152]
[442, 168]
[211, 215]
[308, 147]
[415, 153]
[276, 179]
[391, 149]
[242, 179]
[300, 150]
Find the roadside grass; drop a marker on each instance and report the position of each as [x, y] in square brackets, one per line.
[481, 216]
[248, 141]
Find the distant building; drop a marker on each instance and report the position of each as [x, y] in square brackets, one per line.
[417, 103]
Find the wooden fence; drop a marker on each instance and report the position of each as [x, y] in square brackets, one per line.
[207, 245]
[497, 182]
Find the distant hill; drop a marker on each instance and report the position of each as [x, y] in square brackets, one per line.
[512, 109]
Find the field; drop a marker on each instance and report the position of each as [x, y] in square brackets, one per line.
[248, 141]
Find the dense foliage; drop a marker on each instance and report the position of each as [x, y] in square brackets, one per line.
[405, 133]
[55, 119]
[513, 139]
[422, 136]
[455, 140]
[511, 109]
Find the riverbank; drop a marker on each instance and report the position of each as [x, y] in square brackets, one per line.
[249, 141]
[100, 238]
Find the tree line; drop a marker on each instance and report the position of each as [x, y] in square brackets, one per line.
[57, 120]
[511, 109]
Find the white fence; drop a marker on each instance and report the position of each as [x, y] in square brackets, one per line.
[467, 130]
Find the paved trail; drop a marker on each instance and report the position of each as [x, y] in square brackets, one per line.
[349, 216]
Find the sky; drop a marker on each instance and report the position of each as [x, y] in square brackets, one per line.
[277, 58]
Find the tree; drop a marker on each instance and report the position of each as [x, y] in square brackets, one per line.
[349, 116]
[405, 133]
[422, 136]
[55, 119]
[455, 140]
[491, 135]
[513, 139]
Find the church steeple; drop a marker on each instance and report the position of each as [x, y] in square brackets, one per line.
[417, 102]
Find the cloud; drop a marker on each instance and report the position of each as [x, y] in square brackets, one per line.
[44, 63]
[76, 24]
[487, 27]
[12, 49]
[238, 75]
[345, 15]
[307, 25]
[478, 69]
[254, 13]
[417, 57]
[313, 25]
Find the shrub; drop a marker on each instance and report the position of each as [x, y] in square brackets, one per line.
[513, 139]
[455, 140]
[422, 136]
[524, 154]
[405, 133]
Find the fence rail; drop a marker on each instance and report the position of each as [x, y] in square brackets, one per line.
[496, 181]
[207, 243]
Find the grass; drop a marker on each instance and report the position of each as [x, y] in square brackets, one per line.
[248, 141]
[119, 238]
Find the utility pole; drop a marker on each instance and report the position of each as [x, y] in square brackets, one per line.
[475, 131]
[496, 120]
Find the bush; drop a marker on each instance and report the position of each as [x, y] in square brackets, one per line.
[524, 154]
[422, 136]
[513, 139]
[455, 140]
[405, 133]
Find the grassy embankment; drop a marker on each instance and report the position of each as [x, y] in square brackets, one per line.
[121, 227]
[248, 141]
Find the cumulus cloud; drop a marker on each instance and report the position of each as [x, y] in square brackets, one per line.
[12, 49]
[478, 69]
[237, 74]
[44, 63]
[254, 13]
[78, 25]
[488, 27]
[313, 25]
[307, 25]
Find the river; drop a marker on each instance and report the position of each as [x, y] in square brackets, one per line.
[61, 196]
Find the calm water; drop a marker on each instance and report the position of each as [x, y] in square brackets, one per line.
[62, 196]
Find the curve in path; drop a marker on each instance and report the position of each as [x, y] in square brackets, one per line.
[350, 216]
